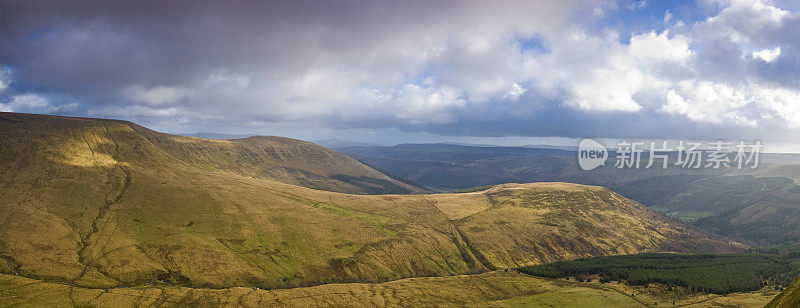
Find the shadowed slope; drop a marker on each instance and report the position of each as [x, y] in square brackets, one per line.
[99, 203]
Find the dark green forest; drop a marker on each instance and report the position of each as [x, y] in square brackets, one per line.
[712, 273]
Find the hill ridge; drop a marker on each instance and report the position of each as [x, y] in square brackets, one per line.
[280, 159]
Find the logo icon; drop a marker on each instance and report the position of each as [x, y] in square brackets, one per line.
[591, 154]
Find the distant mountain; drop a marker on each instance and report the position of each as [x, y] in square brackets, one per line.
[215, 135]
[557, 147]
[338, 143]
[448, 152]
[92, 204]
[452, 167]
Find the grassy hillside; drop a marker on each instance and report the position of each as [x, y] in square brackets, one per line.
[758, 207]
[758, 210]
[789, 298]
[106, 204]
[87, 143]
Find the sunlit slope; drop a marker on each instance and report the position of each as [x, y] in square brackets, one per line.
[546, 222]
[789, 298]
[278, 159]
[98, 204]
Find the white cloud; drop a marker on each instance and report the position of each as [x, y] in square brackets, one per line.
[707, 87]
[767, 55]
[5, 78]
[709, 102]
[667, 17]
[608, 89]
[27, 103]
[140, 111]
[515, 92]
[636, 5]
[329, 85]
[157, 95]
[744, 20]
[784, 103]
[653, 48]
[601, 74]
[719, 85]
[427, 104]
[706, 101]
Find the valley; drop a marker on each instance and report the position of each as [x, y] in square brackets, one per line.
[103, 204]
[104, 211]
[327, 153]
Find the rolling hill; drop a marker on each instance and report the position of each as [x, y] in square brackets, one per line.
[96, 204]
[758, 207]
[279, 159]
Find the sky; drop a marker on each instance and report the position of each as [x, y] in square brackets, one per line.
[491, 72]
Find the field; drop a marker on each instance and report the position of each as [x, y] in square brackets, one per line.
[691, 216]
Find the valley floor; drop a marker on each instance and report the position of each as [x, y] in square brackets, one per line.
[492, 289]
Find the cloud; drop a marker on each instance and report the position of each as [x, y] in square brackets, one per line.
[444, 67]
[139, 111]
[782, 102]
[427, 104]
[5, 78]
[654, 49]
[768, 55]
[706, 101]
[26, 103]
[744, 20]
[599, 73]
[515, 92]
[157, 95]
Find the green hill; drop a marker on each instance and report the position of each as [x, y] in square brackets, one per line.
[97, 204]
[789, 298]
